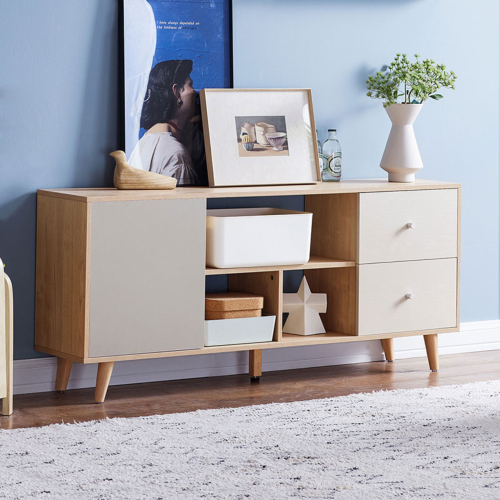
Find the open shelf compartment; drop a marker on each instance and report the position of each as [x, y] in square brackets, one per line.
[331, 269]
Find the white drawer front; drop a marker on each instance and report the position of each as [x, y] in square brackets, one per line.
[407, 296]
[407, 225]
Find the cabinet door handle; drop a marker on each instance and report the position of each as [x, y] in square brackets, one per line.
[409, 296]
[410, 225]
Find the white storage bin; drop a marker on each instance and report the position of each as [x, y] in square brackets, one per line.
[239, 330]
[252, 237]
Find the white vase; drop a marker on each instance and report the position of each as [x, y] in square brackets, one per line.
[401, 157]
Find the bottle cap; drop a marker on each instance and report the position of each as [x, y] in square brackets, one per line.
[332, 130]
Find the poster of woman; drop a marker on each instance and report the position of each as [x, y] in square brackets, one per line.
[172, 49]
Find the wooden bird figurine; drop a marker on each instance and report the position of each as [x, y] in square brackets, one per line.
[127, 177]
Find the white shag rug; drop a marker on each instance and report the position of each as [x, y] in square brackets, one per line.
[438, 443]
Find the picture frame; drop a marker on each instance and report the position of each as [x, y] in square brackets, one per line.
[260, 137]
[164, 42]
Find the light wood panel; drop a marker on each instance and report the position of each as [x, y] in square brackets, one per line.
[334, 228]
[62, 275]
[315, 262]
[340, 288]
[400, 296]
[270, 286]
[407, 226]
[345, 186]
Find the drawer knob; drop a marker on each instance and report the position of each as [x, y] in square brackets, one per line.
[409, 296]
[410, 225]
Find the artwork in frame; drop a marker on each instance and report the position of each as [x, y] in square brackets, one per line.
[259, 137]
[172, 48]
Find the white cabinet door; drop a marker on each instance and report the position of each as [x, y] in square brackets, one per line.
[147, 276]
[407, 225]
[407, 296]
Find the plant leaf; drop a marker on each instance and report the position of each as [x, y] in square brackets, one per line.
[436, 96]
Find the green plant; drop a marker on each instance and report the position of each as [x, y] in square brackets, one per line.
[415, 82]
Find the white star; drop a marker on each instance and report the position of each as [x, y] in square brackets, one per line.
[304, 308]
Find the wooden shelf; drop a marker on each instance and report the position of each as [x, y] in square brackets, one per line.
[315, 262]
[90, 195]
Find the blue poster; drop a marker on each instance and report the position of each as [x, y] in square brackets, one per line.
[173, 48]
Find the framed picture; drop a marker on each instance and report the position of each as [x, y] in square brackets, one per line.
[172, 48]
[260, 136]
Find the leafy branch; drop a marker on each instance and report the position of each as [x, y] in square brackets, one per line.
[412, 82]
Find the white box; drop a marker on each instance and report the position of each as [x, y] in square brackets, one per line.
[253, 237]
[239, 330]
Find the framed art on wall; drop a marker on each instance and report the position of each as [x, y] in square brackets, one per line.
[172, 48]
[260, 136]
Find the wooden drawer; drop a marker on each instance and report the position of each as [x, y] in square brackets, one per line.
[407, 225]
[385, 307]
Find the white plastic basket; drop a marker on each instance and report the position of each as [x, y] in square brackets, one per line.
[253, 237]
[239, 330]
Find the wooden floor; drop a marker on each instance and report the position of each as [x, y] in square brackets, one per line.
[32, 410]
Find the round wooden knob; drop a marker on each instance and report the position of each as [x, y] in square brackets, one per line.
[410, 225]
[409, 296]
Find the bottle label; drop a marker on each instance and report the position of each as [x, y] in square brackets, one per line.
[333, 163]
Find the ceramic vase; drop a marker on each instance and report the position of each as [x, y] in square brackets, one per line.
[401, 157]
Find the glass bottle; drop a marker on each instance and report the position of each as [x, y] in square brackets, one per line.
[320, 152]
[332, 158]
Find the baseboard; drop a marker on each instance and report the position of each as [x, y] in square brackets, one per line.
[38, 375]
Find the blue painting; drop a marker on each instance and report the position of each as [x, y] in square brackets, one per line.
[173, 49]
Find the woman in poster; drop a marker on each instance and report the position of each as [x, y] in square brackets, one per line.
[172, 140]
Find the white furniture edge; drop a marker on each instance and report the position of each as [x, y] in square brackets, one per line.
[7, 402]
[39, 374]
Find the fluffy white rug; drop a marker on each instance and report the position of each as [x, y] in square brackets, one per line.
[441, 443]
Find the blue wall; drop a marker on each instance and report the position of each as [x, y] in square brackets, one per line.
[58, 107]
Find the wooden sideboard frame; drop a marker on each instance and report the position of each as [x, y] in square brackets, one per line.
[64, 219]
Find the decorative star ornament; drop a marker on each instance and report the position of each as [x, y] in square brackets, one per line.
[304, 308]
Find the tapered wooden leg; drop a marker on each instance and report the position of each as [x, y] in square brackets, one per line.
[63, 371]
[431, 345]
[255, 364]
[104, 371]
[388, 347]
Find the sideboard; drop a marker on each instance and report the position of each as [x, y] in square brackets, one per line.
[121, 274]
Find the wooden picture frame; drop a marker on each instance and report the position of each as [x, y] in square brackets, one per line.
[280, 146]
